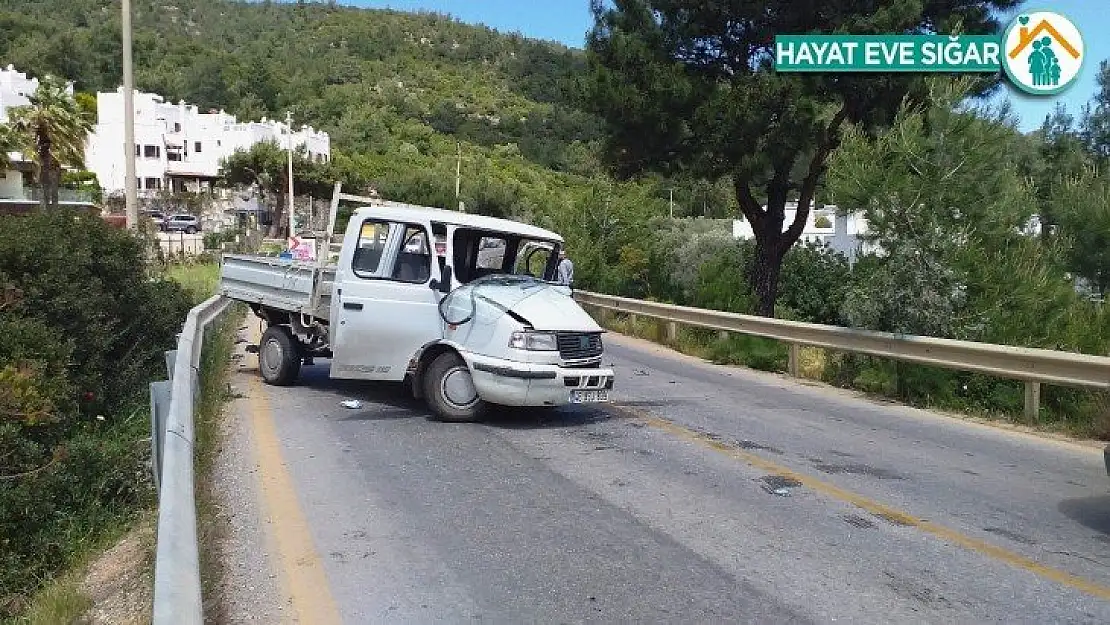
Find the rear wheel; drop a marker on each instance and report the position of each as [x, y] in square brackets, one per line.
[449, 390]
[279, 356]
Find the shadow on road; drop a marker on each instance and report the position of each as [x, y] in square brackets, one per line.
[383, 401]
[542, 418]
[1091, 512]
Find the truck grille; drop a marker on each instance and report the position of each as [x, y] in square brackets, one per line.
[579, 345]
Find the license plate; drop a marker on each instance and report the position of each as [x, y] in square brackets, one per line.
[588, 397]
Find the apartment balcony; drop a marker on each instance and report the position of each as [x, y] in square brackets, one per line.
[186, 169]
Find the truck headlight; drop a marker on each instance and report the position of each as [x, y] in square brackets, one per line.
[534, 341]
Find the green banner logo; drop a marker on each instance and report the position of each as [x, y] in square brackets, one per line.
[887, 53]
[1041, 52]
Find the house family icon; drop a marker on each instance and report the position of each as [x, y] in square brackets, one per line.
[1044, 52]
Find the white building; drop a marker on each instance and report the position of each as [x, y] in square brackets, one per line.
[15, 87]
[177, 147]
[843, 233]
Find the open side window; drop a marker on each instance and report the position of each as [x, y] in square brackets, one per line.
[534, 258]
[478, 253]
[396, 251]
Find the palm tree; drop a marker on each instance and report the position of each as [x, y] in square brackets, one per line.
[9, 142]
[54, 129]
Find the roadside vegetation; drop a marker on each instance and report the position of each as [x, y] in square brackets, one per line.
[968, 269]
[83, 328]
[84, 323]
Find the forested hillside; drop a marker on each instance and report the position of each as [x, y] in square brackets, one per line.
[383, 83]
[361, 74]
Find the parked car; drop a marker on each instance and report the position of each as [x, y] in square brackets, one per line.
[188, 223]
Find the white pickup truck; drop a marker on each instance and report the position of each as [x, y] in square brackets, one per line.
[459, 307]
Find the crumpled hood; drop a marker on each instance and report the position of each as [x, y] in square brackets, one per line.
[546, 307]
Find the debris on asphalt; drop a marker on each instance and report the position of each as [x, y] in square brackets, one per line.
[352, 404]
[779, 485]
[639, 372]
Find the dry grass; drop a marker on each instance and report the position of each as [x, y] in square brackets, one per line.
[60, 601]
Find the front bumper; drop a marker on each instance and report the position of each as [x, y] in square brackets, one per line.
[514, 383]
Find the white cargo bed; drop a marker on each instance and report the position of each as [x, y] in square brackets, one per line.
[278, 283]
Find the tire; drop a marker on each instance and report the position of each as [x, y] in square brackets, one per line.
[190, 230]
[449, 390]
[279, 356]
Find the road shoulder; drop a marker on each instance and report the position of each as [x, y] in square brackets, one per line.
[248, 588]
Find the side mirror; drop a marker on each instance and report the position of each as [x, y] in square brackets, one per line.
[443, 283]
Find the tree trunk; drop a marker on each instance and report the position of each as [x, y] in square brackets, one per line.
[44, 147]
[279, 219]
[44, 182]
[55, 182]
[764, 276]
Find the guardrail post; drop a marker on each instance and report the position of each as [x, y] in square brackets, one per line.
[792, 359]
[159, 408]
[672, 331]
[1033, 401]
[171, 359]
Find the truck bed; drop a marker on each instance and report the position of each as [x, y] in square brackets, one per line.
[278, 283]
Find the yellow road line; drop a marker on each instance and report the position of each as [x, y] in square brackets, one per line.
[303, 569]
[892, 514]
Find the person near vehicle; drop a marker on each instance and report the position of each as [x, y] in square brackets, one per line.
[564, 271]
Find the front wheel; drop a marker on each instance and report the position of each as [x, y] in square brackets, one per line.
[449, 390]
[279, 356]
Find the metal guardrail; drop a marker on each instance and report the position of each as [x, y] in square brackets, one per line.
[177, 591]
[1032, 366]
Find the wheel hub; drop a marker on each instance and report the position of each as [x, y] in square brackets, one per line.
[272, 355]
[458, 388]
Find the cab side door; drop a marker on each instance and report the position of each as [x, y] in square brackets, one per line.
[383, 307]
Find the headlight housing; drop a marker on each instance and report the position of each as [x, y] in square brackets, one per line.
[534, 341]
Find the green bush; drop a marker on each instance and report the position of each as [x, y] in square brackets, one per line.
[83, 328]
[87, 281]
[213, 240]
[815, 279]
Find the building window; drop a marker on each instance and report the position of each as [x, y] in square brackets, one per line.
[219, 143]
[138, 150]
[176, 127]
[196, 147]
[152, 151]
[153, 183]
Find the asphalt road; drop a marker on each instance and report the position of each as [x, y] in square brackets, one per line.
[706, 494]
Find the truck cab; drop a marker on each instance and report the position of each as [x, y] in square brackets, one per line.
[462, 308]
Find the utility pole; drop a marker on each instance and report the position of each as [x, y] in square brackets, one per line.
[458, 174]
[672, 202]
[289, 123]
[131, 184]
